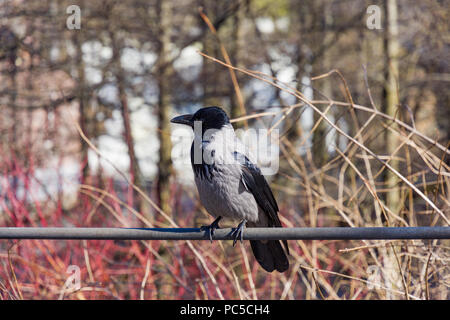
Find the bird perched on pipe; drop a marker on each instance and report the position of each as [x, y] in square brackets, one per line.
[230, 185]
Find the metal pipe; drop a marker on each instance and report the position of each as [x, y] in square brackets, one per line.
[376, 233]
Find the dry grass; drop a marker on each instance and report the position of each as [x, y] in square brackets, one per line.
[347, 191]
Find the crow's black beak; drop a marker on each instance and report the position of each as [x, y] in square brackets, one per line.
[184, 119]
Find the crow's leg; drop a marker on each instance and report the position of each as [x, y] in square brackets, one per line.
[238, 233]
[211, 228]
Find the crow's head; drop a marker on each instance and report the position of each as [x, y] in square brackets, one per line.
[210, 117]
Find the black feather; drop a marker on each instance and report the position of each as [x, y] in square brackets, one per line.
[270, 255]
[258, 186]
[203, 170]
[255, 182]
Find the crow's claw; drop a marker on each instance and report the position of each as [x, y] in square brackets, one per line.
[211, 228]
[239, 232]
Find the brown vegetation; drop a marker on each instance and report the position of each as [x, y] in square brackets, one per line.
[364, 122]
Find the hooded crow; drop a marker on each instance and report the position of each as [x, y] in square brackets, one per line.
[231, 185]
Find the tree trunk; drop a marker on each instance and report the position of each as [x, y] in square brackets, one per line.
[319, 145]
[210, 68]
[391, 102]
[239, 16]
[164, 71]
[82, 105]
[134, 170]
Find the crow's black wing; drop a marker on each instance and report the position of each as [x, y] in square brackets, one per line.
[255, 182]
[269, 254]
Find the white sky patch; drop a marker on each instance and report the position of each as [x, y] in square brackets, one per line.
[307, 119]
[64, 179]
[288, 98]
[343, 141]
[188, 57]
[279, 59]
[144, 126]
[109, 93]
[114, 125]
[306, 88]
[93, 75]
[106, 53]
[182, 137]
[144, 129]
[112, 147]
[286, 74]
[54, 53]
[149, 58]
[189, 63]
[95, 53]
[115, 151]
[264, 92]
[90, 51]
[265, 25]
[131, 60]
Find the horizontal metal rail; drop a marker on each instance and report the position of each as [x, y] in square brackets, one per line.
[376, 233]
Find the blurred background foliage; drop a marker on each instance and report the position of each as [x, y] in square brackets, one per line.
[134, 64]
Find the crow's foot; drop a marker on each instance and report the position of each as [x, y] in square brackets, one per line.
[211, 228]
[238, 233]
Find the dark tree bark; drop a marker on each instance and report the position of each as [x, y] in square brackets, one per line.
[82, 104]
[134, 169]
[164, 71]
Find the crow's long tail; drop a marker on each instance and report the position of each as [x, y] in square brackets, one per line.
[270, 255]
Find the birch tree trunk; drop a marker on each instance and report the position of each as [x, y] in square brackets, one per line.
[391, 99]
[392, 275]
